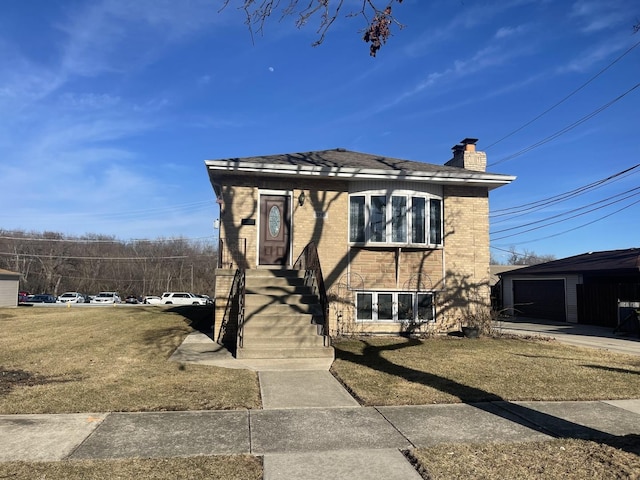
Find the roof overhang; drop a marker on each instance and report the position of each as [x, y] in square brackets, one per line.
[448, 177]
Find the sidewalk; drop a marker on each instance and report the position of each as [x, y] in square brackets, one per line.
[309, 428]
[292, 440]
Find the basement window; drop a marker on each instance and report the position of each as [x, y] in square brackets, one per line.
[395, 306]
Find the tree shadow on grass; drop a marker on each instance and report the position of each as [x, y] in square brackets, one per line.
[545, 423]
[12, 379]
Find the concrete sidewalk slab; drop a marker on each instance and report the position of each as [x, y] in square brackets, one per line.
[427, 425]
[168, 434]
[317, 430]
[577, 419]
[352, 465]
[630, 405]
[44, 437]
[303, 389]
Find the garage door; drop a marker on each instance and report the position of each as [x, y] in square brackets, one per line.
[540, 299]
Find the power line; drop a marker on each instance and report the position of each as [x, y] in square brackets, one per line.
[201, 204]
[564, 99]
[538, 204]
[566, 129]
[571, 211]
[114, 241]
[581, 226]
[65, 257]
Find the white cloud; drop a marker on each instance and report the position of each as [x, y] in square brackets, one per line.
[596, 54]
[116, 35]
[505, 32]
[596, 15]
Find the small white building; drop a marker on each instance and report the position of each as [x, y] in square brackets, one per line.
[8, 288]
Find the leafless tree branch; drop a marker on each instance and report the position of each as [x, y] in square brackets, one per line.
[378, 21]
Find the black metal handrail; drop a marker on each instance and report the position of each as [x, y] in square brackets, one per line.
[239, 279]
[309, 261]
[231, 330]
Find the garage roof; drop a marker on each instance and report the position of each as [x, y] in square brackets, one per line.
[606, 262]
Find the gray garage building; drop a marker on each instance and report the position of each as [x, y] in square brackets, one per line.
[8, 288]
[585, 288]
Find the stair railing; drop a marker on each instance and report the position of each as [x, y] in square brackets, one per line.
[231, 328]
[309, 261]
[239, 281]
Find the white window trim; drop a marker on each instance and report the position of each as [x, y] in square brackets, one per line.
[394, 293]
[389, 194]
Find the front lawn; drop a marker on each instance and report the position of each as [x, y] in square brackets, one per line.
[104, 359]
[400, 371]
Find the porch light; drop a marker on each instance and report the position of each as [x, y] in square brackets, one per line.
[301, 199]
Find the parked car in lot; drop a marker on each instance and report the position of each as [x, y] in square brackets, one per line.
[106, 298]
[152, 300]
[41, 298]
[131, 299]
[71, 297]
[207, 299]
[182, 298]
[22, 297]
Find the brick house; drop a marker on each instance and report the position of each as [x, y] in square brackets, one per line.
[402, 245]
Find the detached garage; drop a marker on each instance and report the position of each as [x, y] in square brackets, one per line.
[581, 289]
[8, 288]
[543, 298]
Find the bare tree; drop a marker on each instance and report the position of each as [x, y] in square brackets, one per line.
[378, 20]
[54, 263]
[527, 257]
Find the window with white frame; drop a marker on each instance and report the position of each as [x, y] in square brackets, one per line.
[402, 219]
[395, 306]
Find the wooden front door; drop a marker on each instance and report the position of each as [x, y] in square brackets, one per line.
[275, 226]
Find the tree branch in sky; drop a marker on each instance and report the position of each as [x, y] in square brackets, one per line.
[378, 20]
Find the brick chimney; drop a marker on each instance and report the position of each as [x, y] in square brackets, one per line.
[465, 156]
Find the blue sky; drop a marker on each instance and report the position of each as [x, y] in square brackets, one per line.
[110, 107]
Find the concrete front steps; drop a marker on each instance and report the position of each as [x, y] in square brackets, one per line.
[282, 317]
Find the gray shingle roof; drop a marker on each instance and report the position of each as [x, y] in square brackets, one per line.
[611, 262]
[340, 158]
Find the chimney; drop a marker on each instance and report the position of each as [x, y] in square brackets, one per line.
[466, 156]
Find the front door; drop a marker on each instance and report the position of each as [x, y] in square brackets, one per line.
[274, 230]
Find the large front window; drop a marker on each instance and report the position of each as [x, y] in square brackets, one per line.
[395, 219]
[395, 306]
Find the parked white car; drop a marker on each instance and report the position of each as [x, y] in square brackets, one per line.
[182, 298]
[106, 298]
[71, 297]
[152, 300]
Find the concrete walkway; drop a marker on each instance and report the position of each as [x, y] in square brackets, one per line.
[310, 427]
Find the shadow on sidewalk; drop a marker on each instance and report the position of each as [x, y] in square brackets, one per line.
[545, 423]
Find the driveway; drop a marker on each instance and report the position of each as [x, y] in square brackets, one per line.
[573, 334]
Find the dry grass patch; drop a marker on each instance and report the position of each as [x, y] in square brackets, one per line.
[66, 360]
[558, 459]
[237, 467]
[397, 371]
